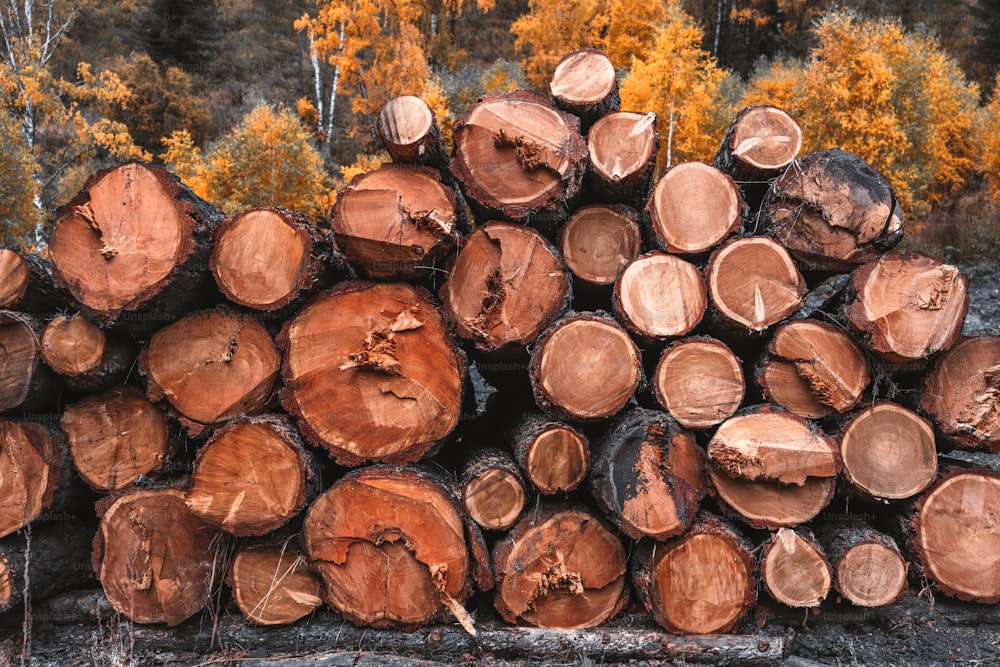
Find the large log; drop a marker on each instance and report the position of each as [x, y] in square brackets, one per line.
[560, 567]
[554, 456]
[961, 393]
[868, 568]
[794, 568]
[585, 84]
[623, 147]
[272, 584]
[26, 384]
[699, 381]
[211, 366]
[88, 358]
[132, 232]
[32, 462]
[659, 296]
[410, 132]
[694, 207]
[371, 373]
[519, 158]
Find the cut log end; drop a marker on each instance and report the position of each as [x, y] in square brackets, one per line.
[14, 277]
[557, 459]
[764, 141]
[495, 499]
[794, 569]
[272, 584]
[694, 207]
[962, 393]
[771, 505]
[72, 345]
[598, 241]
[699, 381]
[583, 77]
[30, 466]
[405, 120]
[660, 296]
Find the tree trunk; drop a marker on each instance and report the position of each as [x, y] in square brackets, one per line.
[88, 358]
[390, 546]
[371, 373]
[888, 452]
[585, 84]
[272, 584]
[693, 208]
[251, 477]
[156, 561]
[494, 492]
[267, 258]
[27, 283]
[211, 366]
[813, 369]
[699, 381]
[560, 567]
[410, 132]
[753, 284]
[659, 296]
[26, 385]
[907, 306]
[584, 368]
[648, 475]
[31, 465]
[505, 286]
[833, 211]
[554, 456]
[116, 437]
[794, 568]
[961, 393]
[598, 241]
[868, 569]
[45, 560]
[699, 583]
[398, 222]
[132, 232]
[771, 505]
[518, 158]
[623, 147]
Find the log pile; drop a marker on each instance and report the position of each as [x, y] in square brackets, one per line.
[605, 391]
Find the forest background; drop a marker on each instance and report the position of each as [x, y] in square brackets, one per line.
[274, 102]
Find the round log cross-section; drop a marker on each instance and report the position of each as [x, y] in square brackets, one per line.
[693, 208]
[962, 393]
[699, 381]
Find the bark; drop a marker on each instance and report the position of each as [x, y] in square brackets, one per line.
[410, 132]
[87, 358]
[27, 283]
[868, 568]
[623, 147]
[658, 296]
[585, 84]
[694, 207]
[699, 382]
[961, 393]
[272, 584]
[794, 568]
[494, 492]
[26, 384]
[598, 241]
[554, 456]
[32, 464]
[52, 559]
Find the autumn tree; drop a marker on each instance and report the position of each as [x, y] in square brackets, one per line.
[990, 133]
[552, 28]
[18, 214]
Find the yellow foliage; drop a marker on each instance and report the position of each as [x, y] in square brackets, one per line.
[553, 28]
[632, 29]
[18, 214]
[435, 98]
[363, 164]
[990, 134]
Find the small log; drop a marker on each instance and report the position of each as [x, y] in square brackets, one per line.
[813, 369]
[694, 207]
[55, 558]
[648, 475]
[699, 583]
[833, 211]
[771, 505]
[26, 384]
[396, 222]
[888, 452]
[27, 283]
[794, 568]
[505, 286]
[659, 296]
[251, 477]
[956, 536]
[907, 306]
[88, 358]
[389, 544]
[584, 368]
[585, 84]
[132, 232]
[31, 465]
[494, 492]
[272, 584]
[560, 567]
[753, 284]
[699, 381]
[868, 568]
[371, 373]
[764, 442]
[116, 437]
[265, 258]
[599, 240]
[518, 158]
[211, 366]
[410, 132]
[155, 560]
[554, 456]
[961, 393]
[623, 147]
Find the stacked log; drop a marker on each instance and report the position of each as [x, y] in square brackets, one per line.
[628, 387]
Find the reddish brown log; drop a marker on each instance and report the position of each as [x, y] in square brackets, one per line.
[693, 208]
[659, 296]
[554, 456]
[27, 283]
[584, 368]
[888, 452]
[771, 505]
[116, 437]
[156, 561]
[494, 492]
[907, 306]
[506, 285]
[585, 84]
[648, 475]
[211, 366]
[410, 132]
[26, 384]
[623, 148]
[560, 567]
[701, 582]
[88, 358]
[762, 141]
[699, 381]
[371, 373]
[961, 393]
[868, 569]
[396, 222]
[598, 241]
[794, 568]
[31, 463]
[519, 158]
[813, 369]
[272, 584]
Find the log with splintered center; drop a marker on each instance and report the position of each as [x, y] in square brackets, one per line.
[585, 84]
[623, 147]
[693, 208]
[31, 462]
[660, 296]
[156, 561]
[371, 373]
[599, 240]
[554, 456]
[560, 567]
[699, 381]
[272, 584]
[794, 568]
[868, 568]
[390, 546]
[87, 357]
[210, 367]
[410, 132]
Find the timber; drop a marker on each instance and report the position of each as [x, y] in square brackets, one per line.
[410, 132]
[771, 505]
[868, 568]
[660, 296]
[26, 383]
[794, 569]
[623, 147]
[272, 584]
[699, 381]
[88, 358]
[961, 393]
[599, 240]
[27, 283]
[494, 492]
[585, 84]
[694, 207]
[32, 462]
[554, 455]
